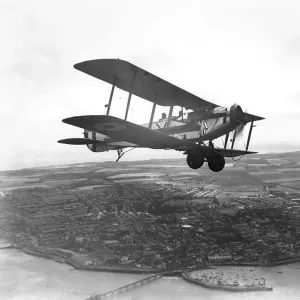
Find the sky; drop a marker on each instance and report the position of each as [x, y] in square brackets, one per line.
[245, 52]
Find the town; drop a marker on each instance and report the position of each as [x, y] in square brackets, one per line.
[147, 216]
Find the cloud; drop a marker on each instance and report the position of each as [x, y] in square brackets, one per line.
[292, 48]
[39, 64]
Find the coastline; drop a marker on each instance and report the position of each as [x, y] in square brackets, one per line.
[134, 270]
[258, 264]
[187, 276]
[100, 268]
[38, 276]
[184, 274]
[151, 271]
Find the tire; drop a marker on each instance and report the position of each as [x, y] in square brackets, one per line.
[216, 163]
[195, 161]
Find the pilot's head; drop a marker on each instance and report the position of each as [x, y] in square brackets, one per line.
[163, 115]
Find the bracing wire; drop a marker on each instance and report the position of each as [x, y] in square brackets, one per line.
[238, 159]
[128, 150]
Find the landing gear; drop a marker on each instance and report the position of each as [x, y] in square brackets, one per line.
[120, 153]
[216, 163]
[195, 161]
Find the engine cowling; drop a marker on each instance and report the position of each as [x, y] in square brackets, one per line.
[236, 115]
[210, 114]
[218, 121]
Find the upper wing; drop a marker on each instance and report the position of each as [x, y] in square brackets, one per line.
[250, 118]
[141, 83]
[122, 130]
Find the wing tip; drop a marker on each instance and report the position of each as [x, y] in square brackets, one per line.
[83, 64]
[63, 141]
[251, 117]
[78, 66]
[80, 141]
[75, 120]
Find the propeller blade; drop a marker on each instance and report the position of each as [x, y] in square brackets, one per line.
[240, 130]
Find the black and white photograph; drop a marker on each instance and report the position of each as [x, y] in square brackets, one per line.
[150, 149]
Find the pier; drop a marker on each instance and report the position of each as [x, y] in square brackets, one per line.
[125, 288]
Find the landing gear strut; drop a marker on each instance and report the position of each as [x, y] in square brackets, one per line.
[195, 161]
[216, 163]
[120, 153]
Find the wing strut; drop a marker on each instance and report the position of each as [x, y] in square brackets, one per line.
[127, 107]
[130, 94]
[152, 115]
[249, 134]
[110, 97]
[233, 139]
[226, 140]
[169, 116]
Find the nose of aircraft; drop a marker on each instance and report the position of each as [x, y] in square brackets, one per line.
[240, 116]
[237, 115]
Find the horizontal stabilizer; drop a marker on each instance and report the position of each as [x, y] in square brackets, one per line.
[80, 141]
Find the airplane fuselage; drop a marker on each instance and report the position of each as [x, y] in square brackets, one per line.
[204, 130]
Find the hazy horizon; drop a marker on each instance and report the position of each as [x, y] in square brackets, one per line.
[180, 156]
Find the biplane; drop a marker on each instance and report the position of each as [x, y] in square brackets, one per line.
[191, 132]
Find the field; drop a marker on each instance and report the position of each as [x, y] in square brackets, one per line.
[235, 177]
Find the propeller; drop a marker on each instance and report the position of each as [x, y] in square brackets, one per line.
[242, 123]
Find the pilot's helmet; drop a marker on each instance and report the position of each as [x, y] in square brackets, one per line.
[163, 115]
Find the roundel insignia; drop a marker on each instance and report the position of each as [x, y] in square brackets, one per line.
[110, 126]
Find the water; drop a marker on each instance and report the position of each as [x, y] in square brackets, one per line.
[27, 277]
[286, 286]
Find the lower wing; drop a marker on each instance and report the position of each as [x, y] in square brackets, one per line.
[127, 134]
[121, 130]
[86, 141]
[231, 152]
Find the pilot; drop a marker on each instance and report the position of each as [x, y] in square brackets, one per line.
[179, 116]
[163, 116]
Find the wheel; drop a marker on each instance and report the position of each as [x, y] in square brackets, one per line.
[195, 161]
[216, 163]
